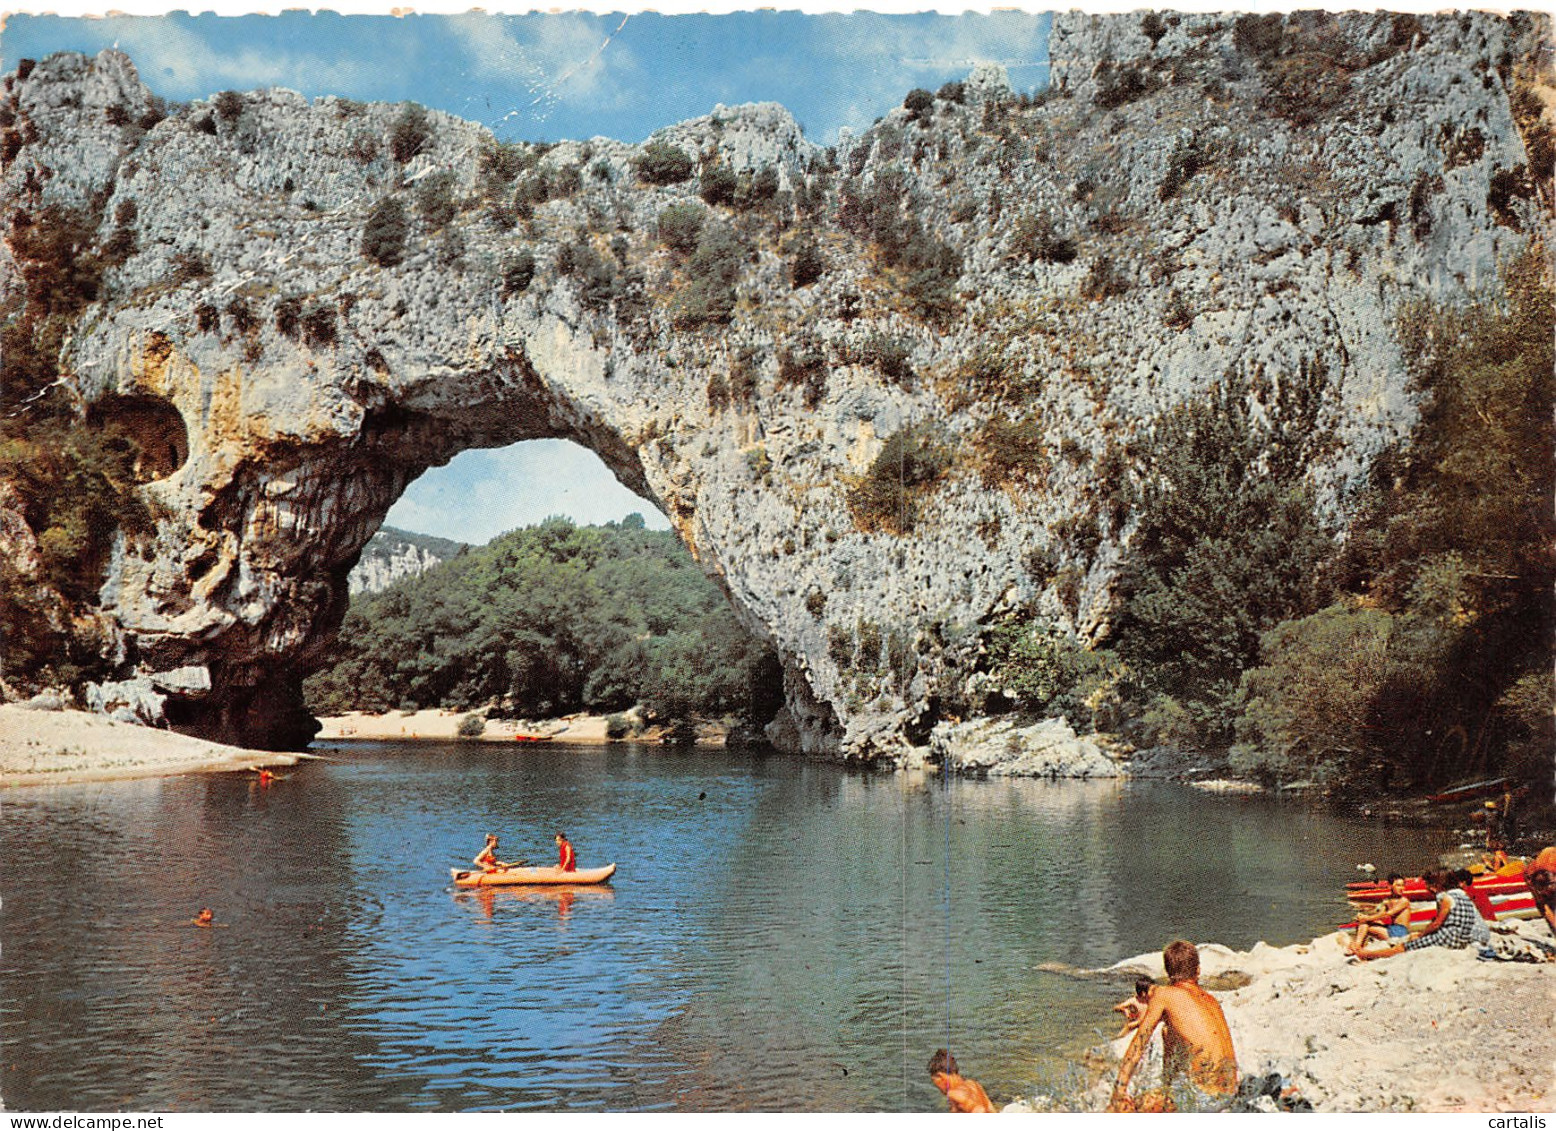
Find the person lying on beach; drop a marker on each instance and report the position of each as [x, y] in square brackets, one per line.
[1391, 920]
[1133, 1007]
[1196, 1041]
[487, 861]
[964, 1095]
[1454, 925]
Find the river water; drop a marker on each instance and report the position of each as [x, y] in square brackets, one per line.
[780, 936]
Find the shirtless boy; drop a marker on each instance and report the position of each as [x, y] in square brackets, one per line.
[1196, 1038]
[487, 861]
[1391, 920]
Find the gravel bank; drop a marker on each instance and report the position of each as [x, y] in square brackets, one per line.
[64, 747]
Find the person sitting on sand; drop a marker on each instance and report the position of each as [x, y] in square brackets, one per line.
[1133, 1007]
[1540, 875]
[1480, 933]
[487, 861]
[1391, 919]
[964, 1095]
[1453, 925]
[566, 858]
[1196, 1040]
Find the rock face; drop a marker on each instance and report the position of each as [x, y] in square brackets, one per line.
[1003, 748]
[324, 299]
[391, 555]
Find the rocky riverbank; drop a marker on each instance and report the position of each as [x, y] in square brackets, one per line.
[60, 747]
[1430, 1030]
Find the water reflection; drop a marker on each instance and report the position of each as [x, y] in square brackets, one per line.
[487, 900]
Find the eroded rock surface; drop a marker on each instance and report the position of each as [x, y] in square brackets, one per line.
[323, 347]
[1005, 748]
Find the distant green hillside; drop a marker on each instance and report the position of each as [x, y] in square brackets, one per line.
[444, 548]
[548, 620]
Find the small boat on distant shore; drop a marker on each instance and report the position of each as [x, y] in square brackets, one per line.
[1470, 791]
[532, 738]
[508, 877]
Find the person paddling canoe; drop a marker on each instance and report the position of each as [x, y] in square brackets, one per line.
[566, 858]
[487, 861]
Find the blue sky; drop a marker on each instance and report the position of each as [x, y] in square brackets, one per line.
[545, 77]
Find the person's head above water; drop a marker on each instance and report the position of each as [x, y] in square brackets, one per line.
[943, 1064]
[1181, 958]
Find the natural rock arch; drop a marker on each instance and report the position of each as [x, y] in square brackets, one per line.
[512, 293]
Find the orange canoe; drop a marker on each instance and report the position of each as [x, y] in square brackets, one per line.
[470, 878]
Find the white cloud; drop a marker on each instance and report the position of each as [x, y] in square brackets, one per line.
[179, 62]
[562, 55]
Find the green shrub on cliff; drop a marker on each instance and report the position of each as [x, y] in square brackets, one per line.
[1042, 669]
[708, 297]
[679, 227]
[926, 269]
[383, 236]
[410, 134]
[911, 463]
[661, 163]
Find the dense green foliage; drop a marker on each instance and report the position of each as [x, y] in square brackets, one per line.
[1436, 659]
[1050, 672]
[551, 619]
[1228, 540]
[1416, 649]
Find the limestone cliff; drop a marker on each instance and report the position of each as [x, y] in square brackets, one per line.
[391, 555]
[314, 302]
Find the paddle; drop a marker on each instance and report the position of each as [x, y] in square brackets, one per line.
[519, 863]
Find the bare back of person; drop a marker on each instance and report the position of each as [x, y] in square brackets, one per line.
[1195, 1039]
[1196, 1042]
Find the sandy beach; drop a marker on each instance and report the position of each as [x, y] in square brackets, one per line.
[64, 747]
[1430, 1030]
[444, 726]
